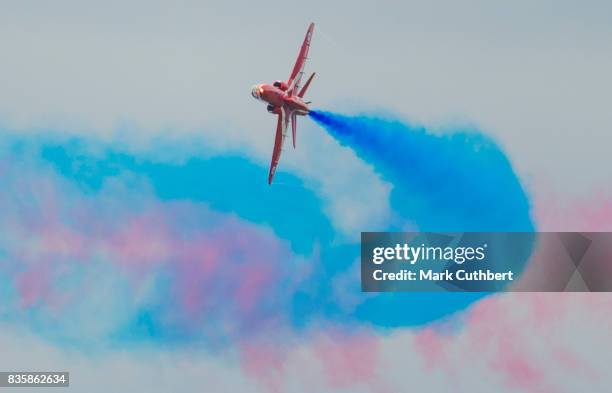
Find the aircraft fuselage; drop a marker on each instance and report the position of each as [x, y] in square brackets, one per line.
[277, 98]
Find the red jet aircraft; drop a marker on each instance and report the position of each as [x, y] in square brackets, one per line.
[285, 99]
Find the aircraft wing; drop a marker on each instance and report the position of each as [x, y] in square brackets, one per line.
[298, 68]
[279, 140]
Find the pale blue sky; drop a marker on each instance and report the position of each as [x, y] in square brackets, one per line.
[533, 74]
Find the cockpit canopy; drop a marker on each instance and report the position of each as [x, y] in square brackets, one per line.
[256, 92]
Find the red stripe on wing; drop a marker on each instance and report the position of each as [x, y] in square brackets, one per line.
[278, 144]
[300, 62]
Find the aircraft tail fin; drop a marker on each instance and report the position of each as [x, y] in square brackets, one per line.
[303, 91]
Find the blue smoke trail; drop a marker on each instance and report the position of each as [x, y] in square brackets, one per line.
[454, 182]
[459, 182]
